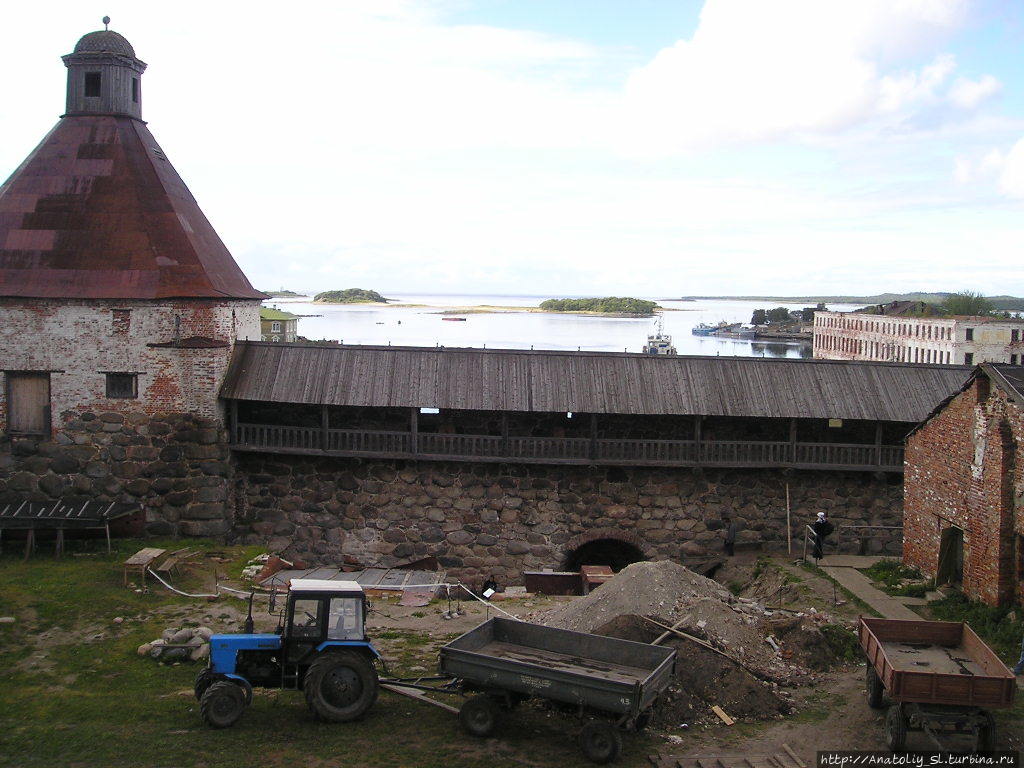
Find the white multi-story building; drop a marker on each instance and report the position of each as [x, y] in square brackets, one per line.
[954, 340]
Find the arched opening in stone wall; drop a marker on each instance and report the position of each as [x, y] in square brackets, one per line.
[611, 552]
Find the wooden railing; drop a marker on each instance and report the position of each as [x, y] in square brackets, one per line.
[563, 450]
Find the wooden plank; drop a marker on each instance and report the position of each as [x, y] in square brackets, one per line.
[792, 754]
[722, 716]
[144, 556]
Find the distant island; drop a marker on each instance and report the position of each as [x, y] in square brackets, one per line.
[283, 294]
[1011, 303]
[350, 296]
[609, 305]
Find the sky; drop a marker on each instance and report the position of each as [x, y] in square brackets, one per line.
[577, 147]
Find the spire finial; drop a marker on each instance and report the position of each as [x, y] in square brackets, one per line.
[106, 23]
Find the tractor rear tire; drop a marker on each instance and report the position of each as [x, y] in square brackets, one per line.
[340, 686]
[601, 742]
[222, 704]
[479, 716]
[875, 688]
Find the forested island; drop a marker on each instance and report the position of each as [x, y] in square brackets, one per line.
[350, 296]
[1011, 303]
[609, 305]
[283, 294]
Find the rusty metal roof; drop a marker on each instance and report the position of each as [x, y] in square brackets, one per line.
[98, 212]
[587, 382]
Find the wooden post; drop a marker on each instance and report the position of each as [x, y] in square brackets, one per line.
[878, 444]
[697, 424]
[505, 450]
[593, 437]
[792, 441]
[414, 430]
[325, 425]
[789, 526]
[234, 422]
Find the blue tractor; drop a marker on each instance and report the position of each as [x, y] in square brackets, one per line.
[320, 648]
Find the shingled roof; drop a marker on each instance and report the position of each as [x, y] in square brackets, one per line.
[98, 212]
[587, 382]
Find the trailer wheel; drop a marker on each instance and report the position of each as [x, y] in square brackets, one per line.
[875, 688]
[340, 686]
[985, 734]
[222, 704]
[896, 728]
[479, 716]
[600, 742]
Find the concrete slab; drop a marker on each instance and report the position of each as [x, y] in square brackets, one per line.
[860, 585]
[850, 561]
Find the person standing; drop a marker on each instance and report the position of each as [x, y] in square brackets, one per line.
[730, 535]
[822, 529]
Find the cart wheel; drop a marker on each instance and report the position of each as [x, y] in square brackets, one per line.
[479, 716]
[875, 688]
[896, 728]
[600, 742]
[985, 734]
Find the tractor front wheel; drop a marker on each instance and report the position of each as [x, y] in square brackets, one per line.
[204, 680]
[340, 686]
[222, 703]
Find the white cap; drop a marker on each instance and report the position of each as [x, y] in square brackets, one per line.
[821, 515]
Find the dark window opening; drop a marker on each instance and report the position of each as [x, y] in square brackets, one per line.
[1013, 359]
[92, 84]
[123, 386]
[135, 90]
[969, 358]
[1015, 335]
[970, 334]
[611, 552]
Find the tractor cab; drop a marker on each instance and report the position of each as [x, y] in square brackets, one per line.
[321, 648]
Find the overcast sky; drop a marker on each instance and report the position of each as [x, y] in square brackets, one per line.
[646, 147]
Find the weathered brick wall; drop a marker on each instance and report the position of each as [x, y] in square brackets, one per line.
[483, 519]
[962, 471]
[80, 340]
[177, 466]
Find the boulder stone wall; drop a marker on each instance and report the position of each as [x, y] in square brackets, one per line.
[501, 519]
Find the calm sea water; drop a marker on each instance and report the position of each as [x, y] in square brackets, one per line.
[402, 325]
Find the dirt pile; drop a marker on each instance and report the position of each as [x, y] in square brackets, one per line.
[754, 652]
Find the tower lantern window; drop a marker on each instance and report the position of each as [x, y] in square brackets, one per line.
[92, 84]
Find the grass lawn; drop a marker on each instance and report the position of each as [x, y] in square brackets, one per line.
[73, 691]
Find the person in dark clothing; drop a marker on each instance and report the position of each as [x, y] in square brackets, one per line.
[730, 535]
[822, 529]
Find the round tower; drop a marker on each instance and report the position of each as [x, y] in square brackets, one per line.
[104, 76]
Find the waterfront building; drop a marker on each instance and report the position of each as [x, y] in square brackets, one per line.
[899, 337]
[278, 326]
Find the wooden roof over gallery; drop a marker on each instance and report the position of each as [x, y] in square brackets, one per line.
[587, 382]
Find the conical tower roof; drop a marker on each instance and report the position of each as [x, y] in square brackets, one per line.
[98, 212]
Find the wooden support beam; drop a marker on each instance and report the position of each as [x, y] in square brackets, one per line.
[234, 421]
[878, 444]
[698, 424]
[505, 447]
[414, 430]
[325, 426]
[792, 440]
[593, 436]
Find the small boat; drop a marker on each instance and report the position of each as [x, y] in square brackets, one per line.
[703, 329]
[454, 319]
[659, 342]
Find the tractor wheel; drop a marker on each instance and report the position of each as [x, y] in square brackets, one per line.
[600, 742]
[479, 716]
[985, 735]
[340, 686]
[875, 688]
[204, 680]
[222, 704]
[896, 728]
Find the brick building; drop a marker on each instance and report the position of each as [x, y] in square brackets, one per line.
[900, 337]
[964, 488]
[119, 306]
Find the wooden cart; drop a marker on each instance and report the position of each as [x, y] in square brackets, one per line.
[939, 676]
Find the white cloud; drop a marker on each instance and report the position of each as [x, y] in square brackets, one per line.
[1011, 180]
[968, 94]
[755, 70]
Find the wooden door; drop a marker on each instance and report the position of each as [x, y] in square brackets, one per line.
[28, 403]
